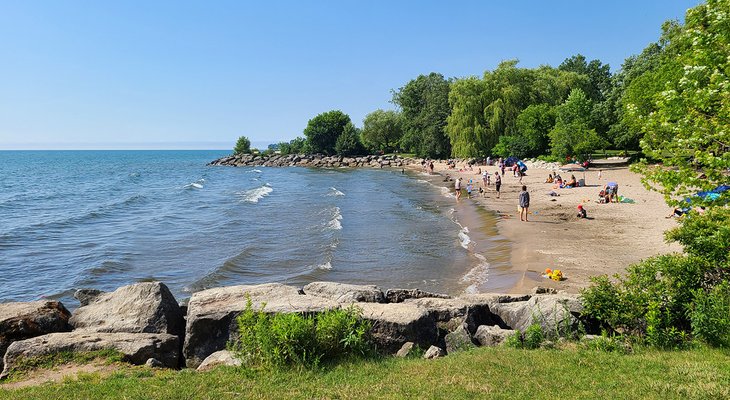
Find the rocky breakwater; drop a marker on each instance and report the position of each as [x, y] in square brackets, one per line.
[145, 323]
[314, 160]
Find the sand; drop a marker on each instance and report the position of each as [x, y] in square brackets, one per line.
[613, 237]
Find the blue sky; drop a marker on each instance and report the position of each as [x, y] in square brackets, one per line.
[182, 74]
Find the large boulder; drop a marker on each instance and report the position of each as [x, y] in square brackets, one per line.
[396, 324]
[345, 293]
[452, 313]
[147, 307]
[211, 319]
[556, 314]
[136, 347]
[399, 295]
[492, 335]
[458, 340]
[24, 320]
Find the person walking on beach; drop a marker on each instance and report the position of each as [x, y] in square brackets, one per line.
[457, 188]
[497, 182]
[524, 203]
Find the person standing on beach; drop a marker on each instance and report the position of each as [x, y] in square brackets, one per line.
[524, 203]
[457, 188]
[497, 182]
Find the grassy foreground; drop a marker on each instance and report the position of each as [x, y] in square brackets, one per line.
[481, 373]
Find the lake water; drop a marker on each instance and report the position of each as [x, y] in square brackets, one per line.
[103, 219]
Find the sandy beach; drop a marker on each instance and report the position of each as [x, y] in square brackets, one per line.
[613, 236]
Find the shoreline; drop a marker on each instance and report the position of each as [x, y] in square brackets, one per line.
[615, 236]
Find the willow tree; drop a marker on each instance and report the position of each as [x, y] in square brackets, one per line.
[466, 126]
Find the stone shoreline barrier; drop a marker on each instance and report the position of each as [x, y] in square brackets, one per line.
[146, 324]
[314, 160]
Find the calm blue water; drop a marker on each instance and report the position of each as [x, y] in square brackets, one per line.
[103, 219]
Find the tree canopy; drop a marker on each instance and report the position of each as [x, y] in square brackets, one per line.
[243, 146]
[382, 130]
[323, 131]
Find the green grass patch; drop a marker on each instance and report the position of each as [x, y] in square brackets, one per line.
[24, 365]
[496, 373]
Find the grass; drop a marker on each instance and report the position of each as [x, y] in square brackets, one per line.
[498, 373]
[24, 366]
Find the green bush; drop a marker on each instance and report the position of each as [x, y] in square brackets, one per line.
[651, 302]
[710, 315]
[243, 146]
[533, 337]
[608, 344]
[295, 339]
[514, 340]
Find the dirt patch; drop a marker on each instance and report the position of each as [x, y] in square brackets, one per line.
[58, 374]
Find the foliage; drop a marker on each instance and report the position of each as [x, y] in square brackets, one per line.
[652, 301]
[294, 146]
[705, 235]
[382, 130]
[517, 146]
[687, 129]
[348, 143]
[243, 146]
[710, 315]
[294, 339]
[424, 105]
[533, 337]
[609, 344]
[534, 124]
[323, 131]
[514, 340]
[573, 134]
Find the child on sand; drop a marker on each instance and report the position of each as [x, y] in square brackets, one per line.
[469, 188]
[524, 204]
[581, 211]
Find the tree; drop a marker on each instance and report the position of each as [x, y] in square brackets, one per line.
[688, 129]
[573, 134]
[348, 143]
[323, 130]
[466, 126]
[534, 124]
[382, 130]
[424, 105]
[243, 146]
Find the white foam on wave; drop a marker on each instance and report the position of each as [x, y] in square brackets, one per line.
[335, 223]
[195, 185]
[325, 267]
[447, 192]
[335, 192]
[464, 239]
[258, 171]
[255, 194]
[477, 276]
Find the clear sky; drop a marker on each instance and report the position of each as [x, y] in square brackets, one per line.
[182, 74]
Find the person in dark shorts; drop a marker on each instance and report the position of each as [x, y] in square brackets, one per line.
[582, 211]
[497, 182]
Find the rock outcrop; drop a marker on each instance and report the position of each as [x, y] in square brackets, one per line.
[554, 313]
[400, 295]
[492, 335]
[24, 320]
[434, 352]
[314, 160]
[136, 347]
[345, 293]
[211, 319]
[396, 324]
[458, 340]
[147, 307]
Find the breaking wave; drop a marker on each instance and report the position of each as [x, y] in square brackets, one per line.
[255, 194]
[335, 223]
[477, 276]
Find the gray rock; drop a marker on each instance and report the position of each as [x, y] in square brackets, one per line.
[458, 340]
[395, 324]
[399, 295]
[433, 352]
[223, 357]
[136, 347]
[544, 290]
[451, 313]
[86, 296]
[154, 363]
[24, 320]
[492, 335]
[146, 307]
[345, 293]
[405, 349]
[555, 313]
[211, 319]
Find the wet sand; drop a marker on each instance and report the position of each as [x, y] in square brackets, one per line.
[613, 237]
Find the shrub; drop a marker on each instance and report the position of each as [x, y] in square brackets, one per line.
[514, 340]
[652, 301]
[710, 315]
[534, 336]
[295, 339]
